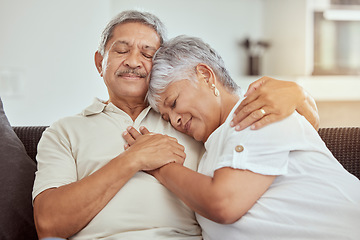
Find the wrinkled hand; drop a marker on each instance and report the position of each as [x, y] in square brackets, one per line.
[267, 100]
[153, 150]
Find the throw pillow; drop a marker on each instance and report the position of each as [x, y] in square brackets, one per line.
[17, 173]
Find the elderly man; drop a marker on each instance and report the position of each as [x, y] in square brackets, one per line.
[88, 187]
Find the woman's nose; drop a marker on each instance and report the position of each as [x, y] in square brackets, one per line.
[176, 119]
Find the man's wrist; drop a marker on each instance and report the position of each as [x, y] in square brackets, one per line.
[127, 159]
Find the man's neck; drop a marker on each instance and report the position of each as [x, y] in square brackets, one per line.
[132, 109]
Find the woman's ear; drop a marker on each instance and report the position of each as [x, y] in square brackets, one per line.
[98, 62]
[205, 73]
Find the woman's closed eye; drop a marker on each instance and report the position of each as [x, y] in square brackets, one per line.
[173, 105]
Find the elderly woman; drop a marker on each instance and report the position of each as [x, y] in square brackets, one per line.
[279, 182]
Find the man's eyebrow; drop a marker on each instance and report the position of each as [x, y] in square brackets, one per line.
[118, 42]
[147, 47]
[121, 42]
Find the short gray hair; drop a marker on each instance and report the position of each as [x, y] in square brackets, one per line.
[132, 16]
[177, 60]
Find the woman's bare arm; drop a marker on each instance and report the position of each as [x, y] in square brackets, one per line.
[225, 198]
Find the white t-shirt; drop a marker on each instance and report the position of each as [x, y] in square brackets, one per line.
[313, 197]
[77, 146]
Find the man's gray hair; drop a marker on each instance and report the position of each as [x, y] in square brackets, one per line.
[132, 16]
[177, 60]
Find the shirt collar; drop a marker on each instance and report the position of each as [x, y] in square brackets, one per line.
[95, 108]
[99, 106]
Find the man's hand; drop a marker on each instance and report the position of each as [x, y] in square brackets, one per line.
[153, 150]
[269, 100]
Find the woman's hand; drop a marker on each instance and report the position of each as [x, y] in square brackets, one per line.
[269, 100]
[153, 150]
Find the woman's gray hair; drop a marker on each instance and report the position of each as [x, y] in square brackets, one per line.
[177, 60]
[132, 16]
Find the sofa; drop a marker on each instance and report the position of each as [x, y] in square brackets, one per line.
[18, 150]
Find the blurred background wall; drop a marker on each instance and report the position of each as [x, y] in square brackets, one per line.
[47, 48]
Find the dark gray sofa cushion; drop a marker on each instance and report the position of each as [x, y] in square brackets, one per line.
[17, 172]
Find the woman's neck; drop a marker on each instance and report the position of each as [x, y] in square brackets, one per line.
[228, 101]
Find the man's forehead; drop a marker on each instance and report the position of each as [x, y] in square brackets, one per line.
[135, 32]
[126, 43]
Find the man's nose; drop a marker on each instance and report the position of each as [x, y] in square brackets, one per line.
[133, 60]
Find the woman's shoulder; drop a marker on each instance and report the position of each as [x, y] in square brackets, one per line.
[292, 129]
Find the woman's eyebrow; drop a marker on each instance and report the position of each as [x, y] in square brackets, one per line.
[165, 100]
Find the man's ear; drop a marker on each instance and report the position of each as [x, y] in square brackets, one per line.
[205, 73]
[98, 62]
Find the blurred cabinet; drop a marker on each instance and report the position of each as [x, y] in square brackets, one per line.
[287, 26]
[312, 37]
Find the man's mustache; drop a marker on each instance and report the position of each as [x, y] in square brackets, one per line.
[131, 71]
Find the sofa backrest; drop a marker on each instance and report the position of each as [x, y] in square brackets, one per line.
[30, 137]
[343, 142]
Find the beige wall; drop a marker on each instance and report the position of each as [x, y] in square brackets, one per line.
[339, 113]
[50, 45]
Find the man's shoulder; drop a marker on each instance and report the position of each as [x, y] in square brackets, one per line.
[67, 124]
[69, 120]
[80, 119]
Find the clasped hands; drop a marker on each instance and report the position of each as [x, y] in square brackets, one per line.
[160, 149]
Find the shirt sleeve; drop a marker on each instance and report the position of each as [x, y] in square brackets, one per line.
[264, 151]
[55, 164]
